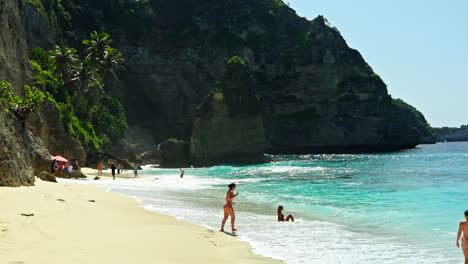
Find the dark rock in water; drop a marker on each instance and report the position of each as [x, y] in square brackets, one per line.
[97, 178]
[228, 127]
[77, 174]
[174, 154]
[45, 176]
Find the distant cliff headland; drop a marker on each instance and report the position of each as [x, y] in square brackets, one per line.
[451, 134]
[225, 81]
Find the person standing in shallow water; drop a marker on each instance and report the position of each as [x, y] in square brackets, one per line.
[99, 169]
[119, 168]
[463, 228]
[228, 209]
[113, 168]
[281, 215]
[182, 172]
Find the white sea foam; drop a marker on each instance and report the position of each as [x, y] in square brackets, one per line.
[194, 200]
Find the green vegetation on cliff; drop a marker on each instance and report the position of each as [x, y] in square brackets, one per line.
[21, 106]
[75, 86]
[414, 118]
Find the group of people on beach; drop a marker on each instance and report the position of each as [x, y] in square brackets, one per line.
[229, 209]
[229, 212]
[117, 168]
[67, 167]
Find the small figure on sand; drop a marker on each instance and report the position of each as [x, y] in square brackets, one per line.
[182, 172]
[60, 166]
[113, 168]
[76, 165]
[135, 171]
[228, 209]
[53, 167]
[281, 215]
[69, 167]
[463, 228]
[119, 168]
[99, 169]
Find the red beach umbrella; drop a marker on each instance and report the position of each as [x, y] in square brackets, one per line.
[60, 158]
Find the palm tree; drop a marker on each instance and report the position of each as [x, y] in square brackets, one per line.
[65, 60]
[111, 61]
[97, 46]
[86, 78]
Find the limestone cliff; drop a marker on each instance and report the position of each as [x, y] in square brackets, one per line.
[228, 126]
[48, 128]
[15, 161]
[14, 65]
[316, 93]
[25, 151]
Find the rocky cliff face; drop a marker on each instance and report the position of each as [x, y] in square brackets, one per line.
[15, 160]
[48, 128]
[317, 94]
[228, 126]
[25, 151]
[14, 65]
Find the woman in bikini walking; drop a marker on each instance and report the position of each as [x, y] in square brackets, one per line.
[228, 209]
[463, 229]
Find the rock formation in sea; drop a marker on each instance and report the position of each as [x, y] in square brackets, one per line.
[174, 154]
[228, 126]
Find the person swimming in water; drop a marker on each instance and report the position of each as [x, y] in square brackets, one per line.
[228, 209]
[463, 228]
[281, 215]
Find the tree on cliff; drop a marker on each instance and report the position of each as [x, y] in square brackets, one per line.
[101, 55]
[97, 46]
[86, 77]
[65, 61]
[75, 86]
[20, 106]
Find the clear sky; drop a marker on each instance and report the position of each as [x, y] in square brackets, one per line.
[418, 47]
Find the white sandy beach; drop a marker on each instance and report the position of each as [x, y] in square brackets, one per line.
[69, 228]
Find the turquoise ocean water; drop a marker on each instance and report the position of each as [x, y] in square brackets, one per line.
[401, 207]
